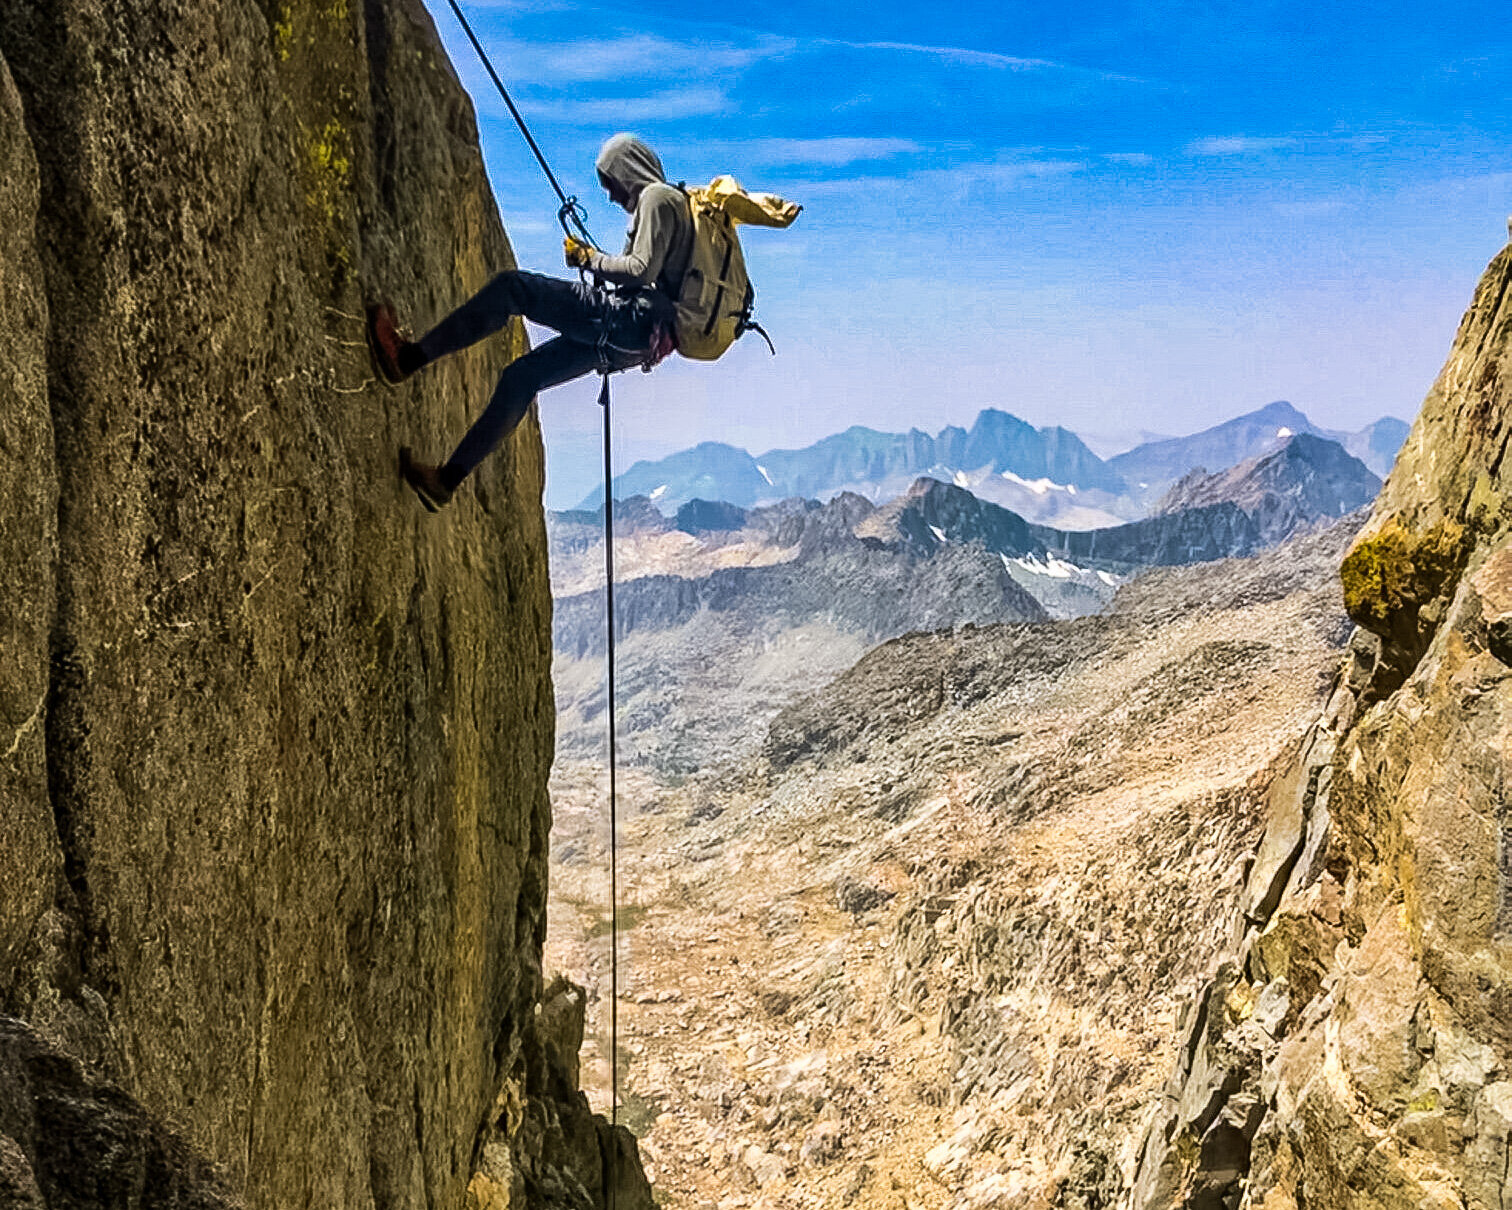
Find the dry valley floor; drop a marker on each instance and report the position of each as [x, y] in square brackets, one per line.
[922, 940]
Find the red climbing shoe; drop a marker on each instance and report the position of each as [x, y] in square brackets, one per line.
[385, 342]
[429, 483]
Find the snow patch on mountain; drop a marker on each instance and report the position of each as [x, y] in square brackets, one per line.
[1038, 486]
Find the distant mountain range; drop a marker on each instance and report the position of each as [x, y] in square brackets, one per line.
[1048, 475]
[872, 464]
[844, 559]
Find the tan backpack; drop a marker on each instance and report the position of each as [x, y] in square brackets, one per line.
[715, 302]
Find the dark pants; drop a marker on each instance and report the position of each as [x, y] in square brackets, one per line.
[580, 312]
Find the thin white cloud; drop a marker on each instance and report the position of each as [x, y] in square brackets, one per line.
[1301, 140]
[635, 57]
[959, 54]
[671, 105]
[1306, 210]
[953, 181]
[1134, 159]
[1239, 145]
[641, 55]
[965, 56]
[827, 152]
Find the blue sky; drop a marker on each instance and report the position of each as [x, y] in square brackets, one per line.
[1112, 216]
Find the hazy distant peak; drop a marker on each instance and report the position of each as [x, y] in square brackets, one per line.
[1308, 478]
[1283, 413]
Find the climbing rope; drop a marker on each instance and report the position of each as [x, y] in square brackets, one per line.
[613, 800]
[571, 209]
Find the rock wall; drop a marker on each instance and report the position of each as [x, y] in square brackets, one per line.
[273, 741]
[1355, 1050]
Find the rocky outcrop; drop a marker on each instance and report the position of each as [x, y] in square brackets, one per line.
[273, 742]
[68, 1138]
[710, 516]
[1354, 1049]
[932, 514]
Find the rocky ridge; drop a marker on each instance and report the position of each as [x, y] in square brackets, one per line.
[824, 567]
[936, 555]
[1353, 1048]
[273, 744]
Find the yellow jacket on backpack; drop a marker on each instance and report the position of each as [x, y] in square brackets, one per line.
[714, 304]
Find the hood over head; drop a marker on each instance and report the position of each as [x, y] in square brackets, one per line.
[628, 162]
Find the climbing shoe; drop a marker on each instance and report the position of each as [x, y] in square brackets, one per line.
[387, 346]
[430, 482]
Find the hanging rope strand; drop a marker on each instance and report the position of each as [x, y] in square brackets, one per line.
[572, 211]
[613, 820]
[571, 208]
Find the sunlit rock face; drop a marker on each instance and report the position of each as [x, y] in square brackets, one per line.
[1354, 1051]
[275, 742]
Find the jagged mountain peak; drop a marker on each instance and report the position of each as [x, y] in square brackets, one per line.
[1283, 413]
[932, 514]
[1307, 479]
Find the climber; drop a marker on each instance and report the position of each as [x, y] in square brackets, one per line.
[623, 318]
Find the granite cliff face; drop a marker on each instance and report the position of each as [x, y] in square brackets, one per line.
[273, 743]
[1355, 1048]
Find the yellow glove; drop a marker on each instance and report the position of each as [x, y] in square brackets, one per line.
[578, 253]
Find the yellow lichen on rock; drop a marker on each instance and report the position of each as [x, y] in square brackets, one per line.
[1392, 572]
[328, 174]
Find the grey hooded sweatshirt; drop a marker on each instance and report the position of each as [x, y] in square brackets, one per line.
[660, 242]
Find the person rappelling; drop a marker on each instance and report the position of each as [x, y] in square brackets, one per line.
[679, 285]
[621, 318]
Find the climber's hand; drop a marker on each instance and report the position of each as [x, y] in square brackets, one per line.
[578, 253]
